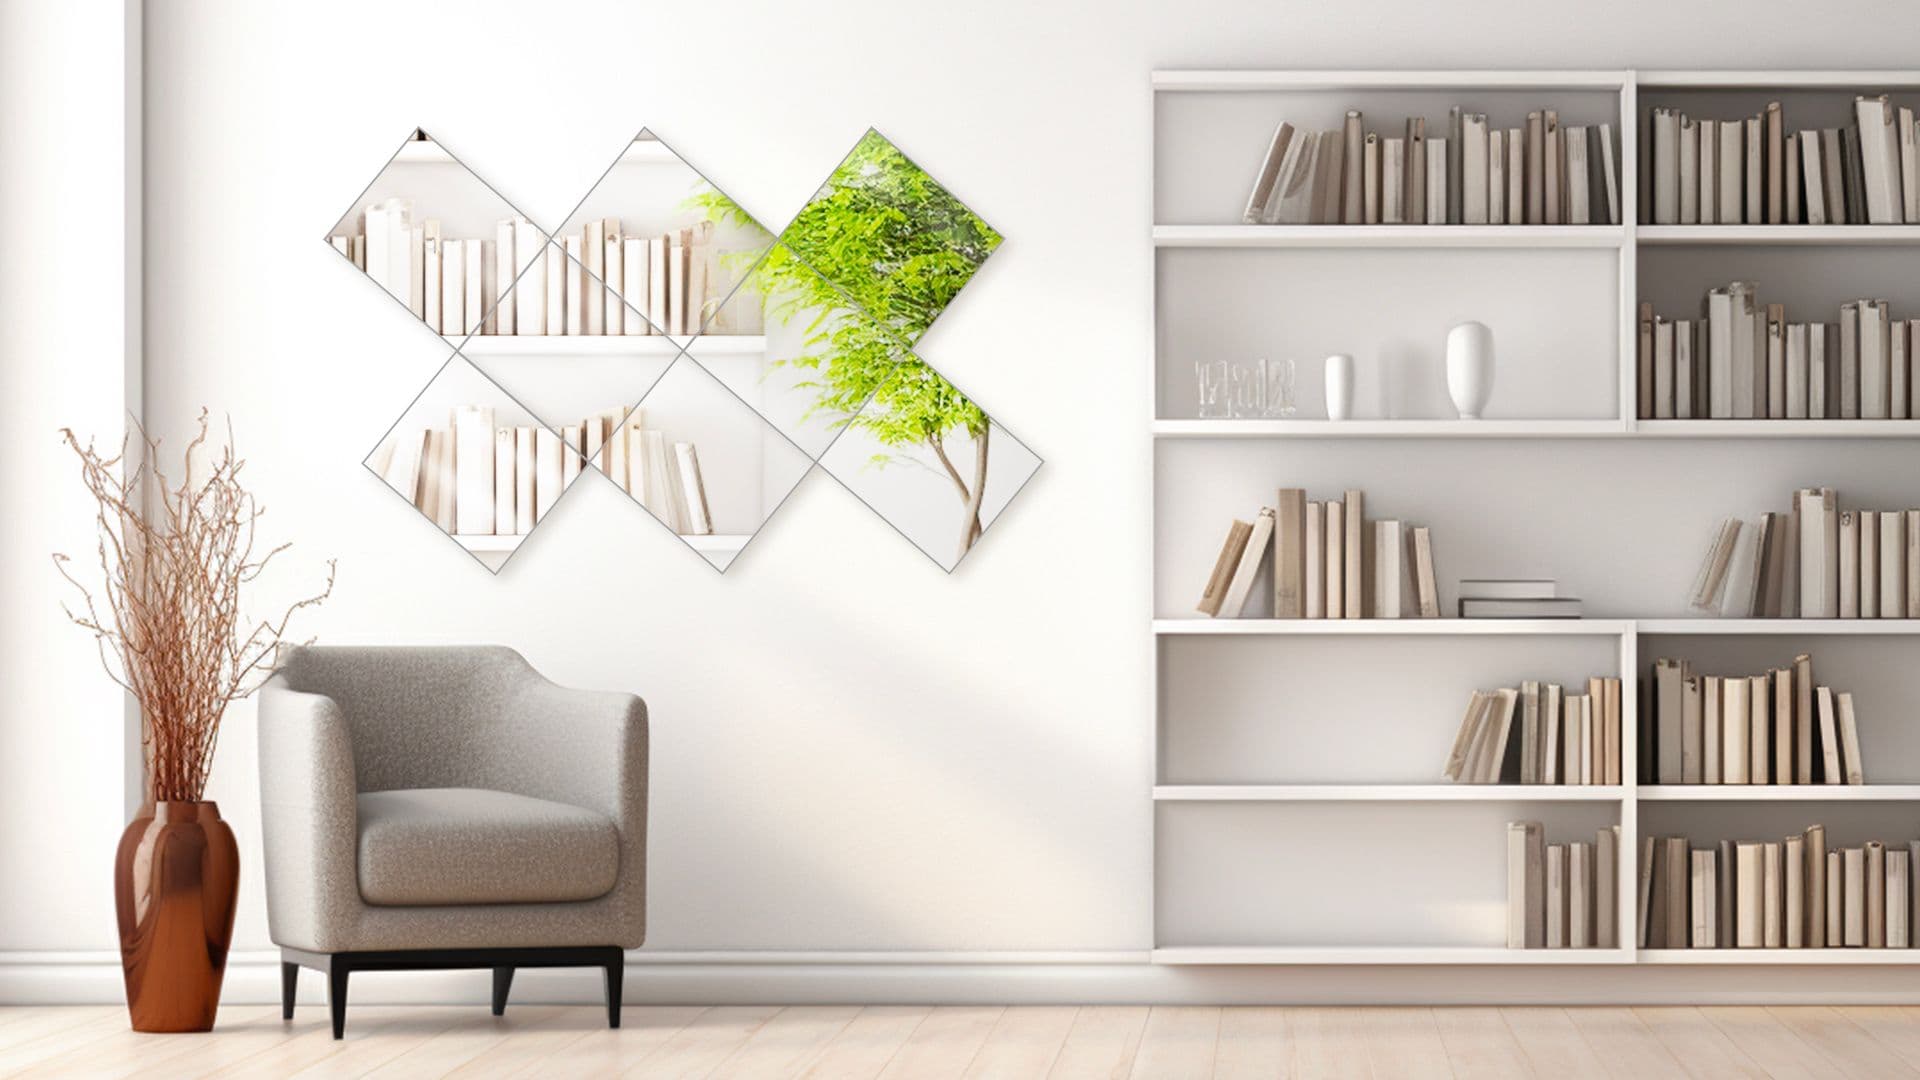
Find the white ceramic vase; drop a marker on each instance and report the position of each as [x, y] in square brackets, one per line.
[1339, 382]
[1470, 368]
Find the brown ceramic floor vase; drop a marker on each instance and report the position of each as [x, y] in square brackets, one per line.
[175, 883]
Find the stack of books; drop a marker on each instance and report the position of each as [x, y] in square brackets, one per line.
[1329, 562]
[1536, 734]
[1535, 174]
[1813, 561]
[475, 479]
[1498, 598]
[1793, 893]
[1562, 896]
[1774, 728]
[1742, 360]
[1753, 171]
[601, 282]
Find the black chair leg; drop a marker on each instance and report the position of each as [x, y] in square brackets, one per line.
[289, 981]
[616, 979]
[502, 982]
[337, 973]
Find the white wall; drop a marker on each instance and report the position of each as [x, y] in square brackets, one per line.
[852, 751]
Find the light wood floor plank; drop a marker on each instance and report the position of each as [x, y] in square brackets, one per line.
[1101, 1044]
[1785, 1055]
[864, 1046]
[1179, 1043]
[944, 1045]
[1702, 1049]
[1554, 1047]
[783, 1043]
[536, 1040]
[42, 1042]
[605, 1051]
[1255, 1044]
[1626, 1048]
[1024, 1044]
[125, 1051]
[1405, 1043]
[1896, 1026]
[1329, 1043]
[698, 1048]
[1842, 1042]
[1479, 1044]
[462, 1043]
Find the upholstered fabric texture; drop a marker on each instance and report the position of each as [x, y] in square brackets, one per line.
[337, 723]
[473, 846]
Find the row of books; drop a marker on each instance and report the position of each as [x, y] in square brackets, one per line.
[1744, 361]
[1537, 734]
[473, 478]
[1813, 561]
[1774, 728]
[1562, 896]
[601, 282]
[1753, 171]
[1329, 562]
[1536, 174]
[1792, 893]
[1515, 598]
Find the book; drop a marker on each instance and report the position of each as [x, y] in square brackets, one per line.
[1610, 730]
[1669, 681]
[500, 315]
[1829, 732]
[573, 295]
[1456, 166]
[1793, 875]
[1425, 589]
[1606, 891]
[1496, 765]
[1711, 714]
[445, 481]
[1759, 730]
[1530, 733]
[1352, 202]
[1252, 556]
[694, 490]
[1850, 762]
[1336, 547]
[505, 517]
[1743, 571]
[1465, 739]
[1781, 682]
[1389, 559]
[1536, 170]
[1471, 180]
[1556, 895]
[1354, 561]
[1414, 187]
[613, 275]
[1893, 564]
[1224, 567]
[1819, 539]
[1552, 707]
[1702, 900]
[1813, 179]
[573, 444]
[1436, 200]
[1691, 747]
[473, 447]
[1710, 584]
[429, 285]
[657, 258]
[476, 274]
[1803, 721]
[1875, 376]
[453, 288]
[1875, 889]
[1393, 180]
[1290, 553]
[1880, 160]
[1853, 883]
[1833, 177]
[1836, 900]
[1526, 885]
[1735, 760]
[1755, 159]
[1674, 875]
[1772, 896]
[1580, 895]
[1748, 896]
[529, 289]
[1314, 542]
[1609, 172]
[523, 479]
[1666, 167]
[1773, 125]
[1732, 172]
[1578, 203]
[1649, 937]
[1909, 168]
[1897, 905]
[1815, 870]
[1507, 589]
[1370, 179]
[1556, 155]
[549, 470]
[1849, 564]
[1560, 608]
[1689, 171]
[677, 283]
[634, 288]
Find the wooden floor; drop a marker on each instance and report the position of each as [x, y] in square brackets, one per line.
[915, 1041]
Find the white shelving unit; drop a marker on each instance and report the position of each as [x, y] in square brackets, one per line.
[1218, 680]
[483, 346]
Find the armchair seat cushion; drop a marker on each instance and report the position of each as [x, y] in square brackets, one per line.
[456, 846]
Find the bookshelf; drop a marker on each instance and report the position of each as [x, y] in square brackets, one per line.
[1255, 776]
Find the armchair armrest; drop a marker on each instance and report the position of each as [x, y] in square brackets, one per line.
[309, 818]
[587, 748]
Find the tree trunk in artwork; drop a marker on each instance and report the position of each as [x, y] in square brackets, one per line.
[175, 883]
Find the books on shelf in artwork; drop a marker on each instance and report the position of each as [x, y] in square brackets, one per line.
[1755, 170]
[600, 282]
[1564, 895]
[1791, 893]
[1493, 598]
[1328, 561]
[1776, 727]
[1743, 360]
[477, 478]
[1813, 560]
[1538, 733]
[1536, 172]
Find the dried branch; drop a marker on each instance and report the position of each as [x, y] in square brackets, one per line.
[173, 561]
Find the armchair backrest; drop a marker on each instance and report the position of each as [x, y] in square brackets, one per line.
[420, 716]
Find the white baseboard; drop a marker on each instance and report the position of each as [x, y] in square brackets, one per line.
[1038, 978]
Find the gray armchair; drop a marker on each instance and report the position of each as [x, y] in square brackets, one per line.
[448, 807]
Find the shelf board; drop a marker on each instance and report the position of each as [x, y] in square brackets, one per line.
[1779, 793]
[1373, 429]
[488, 544]
[1439, 627]
[1852, 81]
[1383, 954]
[1779, 956]
[1869, 627]
[422, 152]
[1389, 236]
[1232, 79]
[1774, 429]
[1387, 793]
[556, 345]
[1834, 235]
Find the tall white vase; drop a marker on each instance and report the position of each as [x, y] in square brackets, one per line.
[1339, 383]
[1470, 368]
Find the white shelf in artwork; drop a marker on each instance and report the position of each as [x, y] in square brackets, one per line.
[555, 345]
[1389, 627]
[1209, 955]
[1387, 793]
[1376, 429]
[1779, 793]
[488, 545]
[1779, 956]
[422, 152]
[1778, 429]
[1306, 79]
[1709, 627]
[1826, 235]
[1389, 236]
[1862, 81]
